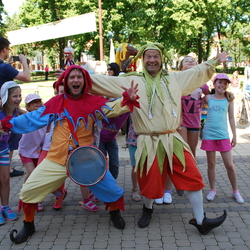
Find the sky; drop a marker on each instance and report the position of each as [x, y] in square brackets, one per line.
[12, 6]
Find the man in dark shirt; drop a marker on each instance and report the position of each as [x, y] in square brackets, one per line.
[9, 73]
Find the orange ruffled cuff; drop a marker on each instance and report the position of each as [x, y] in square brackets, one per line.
[118, 204]
[27, 207]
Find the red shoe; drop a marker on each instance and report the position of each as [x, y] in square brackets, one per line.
[58, 202]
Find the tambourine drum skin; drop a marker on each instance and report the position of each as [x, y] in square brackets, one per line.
[86, 166]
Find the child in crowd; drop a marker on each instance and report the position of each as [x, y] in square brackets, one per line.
[235, 88]
[132, 146]
[191, 109]
[60, 89]
[61, 192]
[11, 98]
[108, 144]
[87, 196]
[216, 136]
[203, 117]
[31, 143]
[87, 200]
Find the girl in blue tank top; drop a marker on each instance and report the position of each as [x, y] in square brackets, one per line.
[216, 135]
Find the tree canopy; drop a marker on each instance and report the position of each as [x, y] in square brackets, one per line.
[183, 26]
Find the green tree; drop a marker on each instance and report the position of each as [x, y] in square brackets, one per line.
[183, 26]
[238, 30]
[2, 25]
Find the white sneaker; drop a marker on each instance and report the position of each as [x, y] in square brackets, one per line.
[238, 198]
[159, 201]
[211, 195]
[167, 198]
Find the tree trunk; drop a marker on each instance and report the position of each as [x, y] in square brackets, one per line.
[199, 45]
[62, 45]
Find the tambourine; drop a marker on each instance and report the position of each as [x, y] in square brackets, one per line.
[86, 165]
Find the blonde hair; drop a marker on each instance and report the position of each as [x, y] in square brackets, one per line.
[8, 108]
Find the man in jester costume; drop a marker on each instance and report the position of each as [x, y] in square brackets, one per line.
[75, 111]
[161, 150]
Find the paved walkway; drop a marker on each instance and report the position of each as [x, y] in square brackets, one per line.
[75, 228]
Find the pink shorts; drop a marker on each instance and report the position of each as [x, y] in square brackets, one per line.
[216, 145]
[27, 159]
[42, 156]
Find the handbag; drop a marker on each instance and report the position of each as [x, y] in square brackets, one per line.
[243, 121]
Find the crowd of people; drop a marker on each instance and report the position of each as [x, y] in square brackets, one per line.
[163, 111]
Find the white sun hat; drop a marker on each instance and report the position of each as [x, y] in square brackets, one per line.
[4, 93]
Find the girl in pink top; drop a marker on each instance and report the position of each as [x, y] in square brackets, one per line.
[191, 109]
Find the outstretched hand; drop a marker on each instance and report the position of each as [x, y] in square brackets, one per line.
[58, 73]
[222, 57]
[132, 90]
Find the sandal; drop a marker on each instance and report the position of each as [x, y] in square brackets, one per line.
[40, 207]
[92, 197]
[135, 196]
[90, 206]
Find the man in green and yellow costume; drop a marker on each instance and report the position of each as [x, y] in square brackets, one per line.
[161, 150]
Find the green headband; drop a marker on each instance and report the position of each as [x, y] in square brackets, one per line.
[154, 46]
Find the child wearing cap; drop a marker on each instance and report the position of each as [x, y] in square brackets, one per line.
[30, 144]
[11, 98]
[216, 135]
[61, 192]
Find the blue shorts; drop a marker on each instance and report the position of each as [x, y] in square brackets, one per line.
[5, 157]
[132, 149]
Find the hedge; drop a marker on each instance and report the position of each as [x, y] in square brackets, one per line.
[230, 70]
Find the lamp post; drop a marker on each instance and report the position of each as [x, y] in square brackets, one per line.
[100, 29]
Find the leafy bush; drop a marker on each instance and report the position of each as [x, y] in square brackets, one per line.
[230, 70]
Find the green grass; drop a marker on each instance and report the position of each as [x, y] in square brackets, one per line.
[45, 90]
